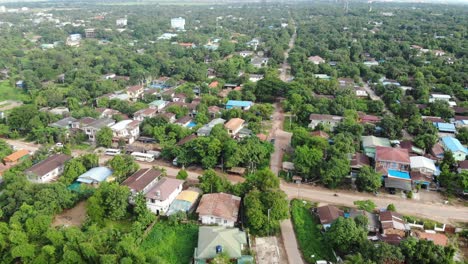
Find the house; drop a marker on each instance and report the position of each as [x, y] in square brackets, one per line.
[48, 169]
[452, 144]
[162, 194]
[214, 111]
[135, 92]
[90, 33]
[423, 165]
[246, 53]
[205, 130]
[438, 238]
[316, 60]
[158, 105]
[170, 117]
[17, 156]
[346, 82]
[184, 202]
[392, 158]
[328, 214]
[121, 22]
[255, 77]
[142, 180]
[180, 97]
[213, 240]
[326, 120]
[108, 113]
[234, 125]
[244, 132]
[184, 121]
[460, 121]
[243, 105]
[259, 62]
[60, 110]
[19, 84]
[95, 126]
[82, 122]
[95, 176]
[219, 208]
[178, 23]
[462, 166]
[65, 123]
[437, 151]
[433, 119]
[128, 130]
[213, 84]
[445, 127]
[359, 160]
[393, 224]
[439, 53]
[423, 179]
[322, 77]
[398, 180]
[373, 225]
[408, 144]
[145, 113]
[361, 92]
[442, 97]
[371, 63]
[368, 119]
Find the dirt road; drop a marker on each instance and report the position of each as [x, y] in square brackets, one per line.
[285, 68]
[436, 211]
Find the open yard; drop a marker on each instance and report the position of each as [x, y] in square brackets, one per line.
[310, 239]
[8, 92]
[173, 244]
[71, 217]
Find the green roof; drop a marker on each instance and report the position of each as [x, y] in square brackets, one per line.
[230, 239]
[370, 142]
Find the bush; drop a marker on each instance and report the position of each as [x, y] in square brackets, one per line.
[391, 207]
[366, 205]
[182, 175]
[409, 195]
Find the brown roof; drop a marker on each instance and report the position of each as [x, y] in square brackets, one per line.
[419, 176]
[316, 59]
[437, 238]
[214, 109]
[328, 214]
[234, 123]
[392, 154]
[437, 149]
[320, 133]
[134, 88]
[433, 119]
[358, 160]
[186, 139]
[86, 120]
[460, 109]
[369, 119]
[393, 239]
[221, 205]
[147, 112]
[142, 178]
[49, 164]
[463, 164]
[459, 118]
[165, 187]
[15, 156]
[213, 84]
[183, 120]
[262, 137]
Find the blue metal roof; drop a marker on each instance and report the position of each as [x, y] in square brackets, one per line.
[399, 174]
[445, 127]
[98, 174]
[234, 103]
[453, 144]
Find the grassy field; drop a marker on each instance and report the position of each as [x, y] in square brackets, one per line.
[311, 240]
[8, 92]
[174, 244]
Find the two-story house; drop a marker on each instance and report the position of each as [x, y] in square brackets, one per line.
[162, 194]
[234, 125]
[93, 128]
[135, 92]
[48, 169]
[145, 113]
[129, 130]
[219, 209]
[142, 181]
[390, 158]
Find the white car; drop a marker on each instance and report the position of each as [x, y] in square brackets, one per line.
[59, 145]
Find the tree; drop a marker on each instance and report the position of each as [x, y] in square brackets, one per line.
[143, 214]
[210, 182]
[391, 127]
[104, 137]
[73, 169]
[222, 258]
[424, 251]
[182, 175]
[345, 236]
[391, 207]
[5, 149]
[334, 171]
[368, 180]
[263, 180]
[366, 205]
[361, 221]
[307, 160]
[109, 201]
[123, 166]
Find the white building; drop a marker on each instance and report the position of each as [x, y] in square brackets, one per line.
[443, 97]
[2, 9]
[178, 23]
[48, 169]
[219, 209]
[129, 130]
[422, 164]
[121, 22]
[160, 197]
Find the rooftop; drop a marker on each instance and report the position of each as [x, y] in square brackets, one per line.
[325, 117]
[328, 214]
[234, 123]
[453, 144]
[221, 205]
[399, 174]
[15, 156]
[141, 179]
[392, 154]
[163, 189]
[422, 162]
[445, 127]
[235, 103]
[48, 164]
[230, 240]
[95, 175]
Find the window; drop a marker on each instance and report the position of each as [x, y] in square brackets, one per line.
[225, 221]
[152, 200]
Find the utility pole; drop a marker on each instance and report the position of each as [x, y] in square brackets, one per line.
[269, 221]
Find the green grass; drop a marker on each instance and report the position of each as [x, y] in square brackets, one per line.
[174, 244]
[123, 226]
[311, 240]
[8, 92]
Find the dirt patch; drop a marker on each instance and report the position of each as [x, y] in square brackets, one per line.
[269, 250]
[71, 217]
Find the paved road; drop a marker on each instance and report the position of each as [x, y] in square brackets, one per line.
[436, 211]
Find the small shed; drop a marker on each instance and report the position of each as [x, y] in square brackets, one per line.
[296, 179]
[237, 170]
[288, 166]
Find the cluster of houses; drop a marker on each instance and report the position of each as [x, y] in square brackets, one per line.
[383, 225]
[217, 212]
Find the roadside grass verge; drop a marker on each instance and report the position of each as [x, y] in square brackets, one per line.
[311, 241]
